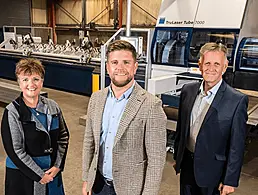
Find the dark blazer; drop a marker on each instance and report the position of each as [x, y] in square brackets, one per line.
[219, 148]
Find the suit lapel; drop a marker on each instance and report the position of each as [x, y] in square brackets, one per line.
[133, 105]
[101, 101]
[215, 102]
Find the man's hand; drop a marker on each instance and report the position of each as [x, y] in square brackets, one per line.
[52, 171]
[46, 179]
[224, 189]
[174, 165]
[84, 188]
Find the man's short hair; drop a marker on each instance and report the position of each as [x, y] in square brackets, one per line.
[30, 66]
[119, 45]
[213, 47]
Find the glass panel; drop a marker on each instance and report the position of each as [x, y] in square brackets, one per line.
[199, 38]
[249, 53]
[169, 47]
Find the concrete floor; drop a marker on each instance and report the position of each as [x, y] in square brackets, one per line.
[74, 106]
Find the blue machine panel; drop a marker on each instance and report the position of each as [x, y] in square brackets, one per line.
[67, 77]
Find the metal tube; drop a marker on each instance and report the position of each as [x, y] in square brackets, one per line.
[26, 27]
[148, 58]
[4, 42]
[103, 67]
[103, 59]
[120, 13]
[49, 15]
[115, 14]
[128, 18]
[53, 17]
[114, 36]
[83, 14]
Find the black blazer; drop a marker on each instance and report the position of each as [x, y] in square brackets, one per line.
[219, 148]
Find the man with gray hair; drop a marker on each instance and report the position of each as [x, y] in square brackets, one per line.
[211, 129]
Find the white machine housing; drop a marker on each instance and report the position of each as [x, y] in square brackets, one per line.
[183, 26]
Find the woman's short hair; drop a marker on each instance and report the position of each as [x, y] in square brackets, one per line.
[30, 66]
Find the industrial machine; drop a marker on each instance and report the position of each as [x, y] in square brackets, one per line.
[179, 35]
[68, 66]
[183, 27]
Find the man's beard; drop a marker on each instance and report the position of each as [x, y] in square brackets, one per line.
[121, 83]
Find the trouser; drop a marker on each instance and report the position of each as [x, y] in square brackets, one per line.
[188, 185]
[102, 186]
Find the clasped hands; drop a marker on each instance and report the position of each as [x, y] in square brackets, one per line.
[49, 175]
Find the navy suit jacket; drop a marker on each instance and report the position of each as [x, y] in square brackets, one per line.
[219, 148]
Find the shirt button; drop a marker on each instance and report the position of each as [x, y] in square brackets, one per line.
[109, 132]
[107, 147]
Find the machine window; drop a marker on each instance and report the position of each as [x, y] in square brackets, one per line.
[200, 37]
[169, 47]
[248, 53]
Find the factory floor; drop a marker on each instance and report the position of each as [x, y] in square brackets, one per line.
[74, 106]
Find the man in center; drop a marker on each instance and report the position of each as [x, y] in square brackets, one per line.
[124, 147]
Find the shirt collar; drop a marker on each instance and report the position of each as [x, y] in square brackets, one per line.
[126, 94]
[212, 91]
[42, 106]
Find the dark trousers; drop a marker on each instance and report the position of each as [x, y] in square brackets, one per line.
[102, 186]
[16, 183]
[188, 185]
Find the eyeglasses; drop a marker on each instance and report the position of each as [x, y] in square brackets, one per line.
[34, 80]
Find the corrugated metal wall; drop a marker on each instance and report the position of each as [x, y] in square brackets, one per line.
[15, 12]
[95, 7]
[73, 7]
[39, 12]
[140, 17]
[18, 12]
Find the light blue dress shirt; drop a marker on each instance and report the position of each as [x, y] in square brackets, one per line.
[202, 99]
[114, 109]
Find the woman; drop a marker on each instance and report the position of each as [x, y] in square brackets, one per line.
[35, 137]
